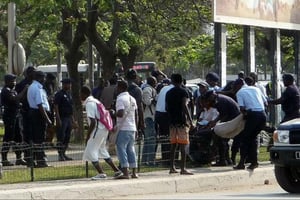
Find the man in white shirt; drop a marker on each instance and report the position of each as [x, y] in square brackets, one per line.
[96, 136]
[161, 120]
[126, 112]
[252, 105]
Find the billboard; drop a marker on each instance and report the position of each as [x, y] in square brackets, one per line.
[282, 14]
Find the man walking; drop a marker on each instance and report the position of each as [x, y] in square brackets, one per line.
[96, 136]
[180, 122]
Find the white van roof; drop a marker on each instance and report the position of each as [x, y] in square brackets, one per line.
[53, 68]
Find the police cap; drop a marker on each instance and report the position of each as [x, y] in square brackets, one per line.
[9, 77]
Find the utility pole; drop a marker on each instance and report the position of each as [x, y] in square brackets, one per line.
[90, 52]
[11, 34]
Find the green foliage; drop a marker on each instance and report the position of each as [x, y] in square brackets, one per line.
[174, 33]
[197, 51]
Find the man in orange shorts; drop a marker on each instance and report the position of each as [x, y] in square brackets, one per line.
[180, 122]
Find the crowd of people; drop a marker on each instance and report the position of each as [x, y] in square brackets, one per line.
[159, 110]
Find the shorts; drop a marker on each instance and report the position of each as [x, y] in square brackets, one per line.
[179, 134]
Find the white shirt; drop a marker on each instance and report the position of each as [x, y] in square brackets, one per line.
[149, 94]
[92, 111]
[37, 95]
[161, 98]
[251, 98]
[128, 104]
[262, 88]
[208, 115]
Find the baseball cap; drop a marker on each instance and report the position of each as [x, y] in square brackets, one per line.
[203, 83]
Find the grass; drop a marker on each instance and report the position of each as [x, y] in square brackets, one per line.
[58, 173]
[76, 171]
[79, 171]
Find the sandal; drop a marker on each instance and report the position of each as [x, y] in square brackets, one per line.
[173, 171]
[122, 177]
[186, 173]
[134, 176]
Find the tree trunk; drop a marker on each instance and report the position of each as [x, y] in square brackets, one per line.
[73, 42]
[78, 112]
[108, 64]
[129, 59]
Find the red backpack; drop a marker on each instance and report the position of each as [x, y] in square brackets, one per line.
[105, 117]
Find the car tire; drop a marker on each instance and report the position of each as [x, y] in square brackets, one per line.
[288, 178]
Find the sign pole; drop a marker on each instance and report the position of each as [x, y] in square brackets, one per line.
[11, 34]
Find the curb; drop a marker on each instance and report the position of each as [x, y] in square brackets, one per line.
[204, 179]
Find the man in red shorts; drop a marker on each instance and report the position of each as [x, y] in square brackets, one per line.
[180, 121]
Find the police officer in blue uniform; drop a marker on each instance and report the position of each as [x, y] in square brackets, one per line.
[39, 106]
[63, 107]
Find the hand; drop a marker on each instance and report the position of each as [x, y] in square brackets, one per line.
[58, 122]
[75, 125]
[211, 124]
[49, 122]
[192, 126]
[141, 125]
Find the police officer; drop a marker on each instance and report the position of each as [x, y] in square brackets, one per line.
[12, 136]
[63, 107]
[25, 122]
[39, 106]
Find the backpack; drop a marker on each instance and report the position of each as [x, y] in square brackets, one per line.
[105, 117]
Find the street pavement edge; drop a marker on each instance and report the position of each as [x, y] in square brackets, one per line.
[148, 183]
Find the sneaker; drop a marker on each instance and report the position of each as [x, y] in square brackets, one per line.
[61, 158]
[99, 177]
[118, 174]
[41, 165]
[21, 162]
[7, 163]
[67, 158]
[252, 166]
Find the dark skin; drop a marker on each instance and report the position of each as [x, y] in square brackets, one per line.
[91, 128]
[40, 106]
[181, 146]
[11, 84]
[279, 100]
[120, 113]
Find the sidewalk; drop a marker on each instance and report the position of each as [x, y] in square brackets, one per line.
[212, 178]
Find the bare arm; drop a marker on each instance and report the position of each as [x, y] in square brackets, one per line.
[44, 114]
[187, 110]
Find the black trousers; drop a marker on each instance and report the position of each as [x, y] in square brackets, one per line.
[63, 134]
[163, 131]
[38, 128]
[12, 136]
[255, 122]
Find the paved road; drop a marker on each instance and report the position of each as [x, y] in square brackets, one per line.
[270, 191]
